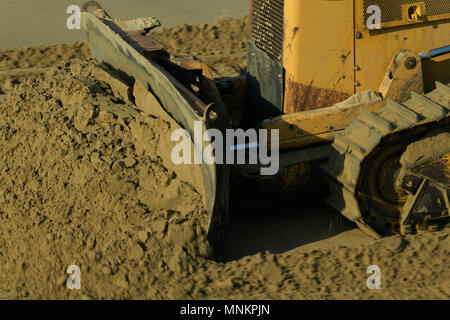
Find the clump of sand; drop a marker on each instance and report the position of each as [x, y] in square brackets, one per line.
[434, 145]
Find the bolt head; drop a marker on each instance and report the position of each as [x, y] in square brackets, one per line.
[410, 63]
[213, 115]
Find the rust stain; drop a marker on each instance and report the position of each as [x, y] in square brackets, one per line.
[146, 43]
[300, 97]
[88, 4]
[295, 32]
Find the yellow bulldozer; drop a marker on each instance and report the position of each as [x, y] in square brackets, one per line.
[358, 92]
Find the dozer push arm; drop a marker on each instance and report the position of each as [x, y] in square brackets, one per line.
[142, 58]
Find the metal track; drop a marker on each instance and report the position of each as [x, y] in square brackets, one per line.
[403, 123]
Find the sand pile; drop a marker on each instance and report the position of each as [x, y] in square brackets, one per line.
[83, 182]
[222, 45]
[18, 64]
[86, 179]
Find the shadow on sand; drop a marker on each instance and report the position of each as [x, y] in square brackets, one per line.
[283, 228]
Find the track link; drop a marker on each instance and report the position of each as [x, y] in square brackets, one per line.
[392, 123]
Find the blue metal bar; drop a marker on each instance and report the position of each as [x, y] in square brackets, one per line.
[244, 146]
[434, 52]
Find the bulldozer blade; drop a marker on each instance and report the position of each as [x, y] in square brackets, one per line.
[127, 52]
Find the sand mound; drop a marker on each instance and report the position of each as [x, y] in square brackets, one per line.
[18, 64]
[82, 181]
[85, 180]
[222, 45]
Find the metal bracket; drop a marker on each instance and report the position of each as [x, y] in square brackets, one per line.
[403, 76]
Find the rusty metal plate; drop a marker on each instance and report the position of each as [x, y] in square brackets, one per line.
[264, 85]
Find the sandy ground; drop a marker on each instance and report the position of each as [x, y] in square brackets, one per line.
[222, 44]
[86, 179]
[43, 22]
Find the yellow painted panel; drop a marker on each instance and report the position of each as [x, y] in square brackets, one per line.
[376, 48]
[317, 53]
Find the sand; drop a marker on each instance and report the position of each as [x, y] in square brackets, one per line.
[222, 44]
[43, 22]
[86, 179]
[18, 64]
